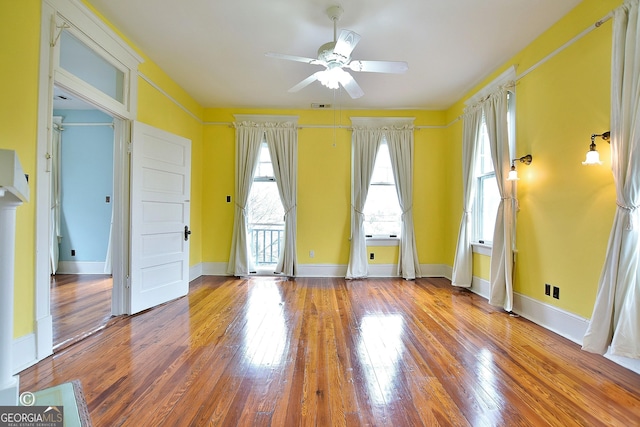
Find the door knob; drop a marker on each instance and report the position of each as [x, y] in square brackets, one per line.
[187, 232]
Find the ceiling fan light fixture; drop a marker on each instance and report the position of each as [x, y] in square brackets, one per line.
[335, 56]
[333, 77]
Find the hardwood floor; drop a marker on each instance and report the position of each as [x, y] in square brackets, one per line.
[80, 305]
[329, 352]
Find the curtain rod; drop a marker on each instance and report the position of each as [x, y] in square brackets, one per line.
[230, 124]
[63, 125]
[566, 45]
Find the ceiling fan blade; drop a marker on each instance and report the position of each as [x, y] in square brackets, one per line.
[396, 67]
[293, 58]
[351, 86]
[306, 82]
[346, 43]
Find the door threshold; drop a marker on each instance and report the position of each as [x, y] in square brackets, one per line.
[57, 348]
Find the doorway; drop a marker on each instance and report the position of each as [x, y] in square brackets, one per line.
[82, 171]
[265, 217]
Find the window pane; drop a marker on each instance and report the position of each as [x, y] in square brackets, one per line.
[485, 164]
[382, 211]
[81, 61]
[382, 172]
[488, 207]
[265, 214]
[265, 167]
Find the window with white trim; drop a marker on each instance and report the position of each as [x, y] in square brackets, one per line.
[265, 215]
[382, 213]
[487, 196]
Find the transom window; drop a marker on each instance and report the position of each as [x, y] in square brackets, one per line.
[382, 213]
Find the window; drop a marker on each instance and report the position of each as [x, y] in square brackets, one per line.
[487, 196]
[86, 64]
[265, 214]
[382, 213]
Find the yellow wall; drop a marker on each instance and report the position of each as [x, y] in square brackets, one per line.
[156, 109]
[566, 209]
[18, 124]
[558, 106]
[19, 73]
[324, 182]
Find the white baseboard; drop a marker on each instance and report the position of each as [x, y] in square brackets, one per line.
[214, 269]
[80, 267]
[195, 271]
[435, 270]
[554, 319]
[24, 352]
[322, 270]
[44, 337]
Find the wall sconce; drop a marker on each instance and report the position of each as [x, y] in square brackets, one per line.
[513, 173]
[593, 157]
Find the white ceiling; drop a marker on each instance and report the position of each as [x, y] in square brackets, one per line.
[215, 49]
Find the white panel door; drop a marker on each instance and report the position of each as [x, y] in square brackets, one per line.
[160, 189]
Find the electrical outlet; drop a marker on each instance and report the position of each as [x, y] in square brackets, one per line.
[547, 289]
[228, 199]
[556, 292]
[311, 253]
[73, 252]
[371, 255]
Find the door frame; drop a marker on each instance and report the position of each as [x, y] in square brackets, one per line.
[55, 15]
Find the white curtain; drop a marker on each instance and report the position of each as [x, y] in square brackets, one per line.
[365, 144]
[55, 199]
[401, 147]
[495, 113]
[282, 141]
[615, 320]
[463, 262]
[248, 140]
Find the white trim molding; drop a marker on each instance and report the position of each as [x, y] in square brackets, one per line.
[24, 352]
[554, 319]
[322, 270]
[507, 76]
[80, 267]
[265, 118]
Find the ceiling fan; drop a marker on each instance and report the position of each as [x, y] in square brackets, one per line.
[335, 56]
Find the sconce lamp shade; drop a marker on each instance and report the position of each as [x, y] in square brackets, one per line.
[513, 173]
[593, 157]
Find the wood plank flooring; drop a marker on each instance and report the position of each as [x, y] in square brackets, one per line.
[80, 305]
[331, 352]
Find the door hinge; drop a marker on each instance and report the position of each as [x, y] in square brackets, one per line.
[128, 284]
[129, 147]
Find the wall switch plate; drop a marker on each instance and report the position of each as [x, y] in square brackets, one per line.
[556, 292]
[107, 199]
[372, 255]
[547, 289]
[312, 253]
[73, 252]
[228, 199]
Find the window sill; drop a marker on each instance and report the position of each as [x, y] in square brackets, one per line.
[383, 241]
[481, 248]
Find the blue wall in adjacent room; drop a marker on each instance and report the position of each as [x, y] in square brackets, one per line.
[86, 179]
